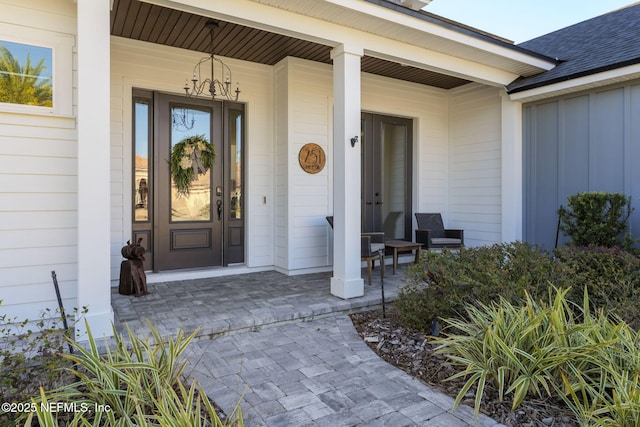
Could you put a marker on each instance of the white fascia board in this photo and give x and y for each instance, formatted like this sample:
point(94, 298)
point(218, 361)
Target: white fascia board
point(437, 30)
point(441, 63)
point(605, 78)
point(413, 4)
point(281, 21)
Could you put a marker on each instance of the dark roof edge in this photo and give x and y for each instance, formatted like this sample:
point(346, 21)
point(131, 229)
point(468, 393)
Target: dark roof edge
point(460, 28)
point(585, 73)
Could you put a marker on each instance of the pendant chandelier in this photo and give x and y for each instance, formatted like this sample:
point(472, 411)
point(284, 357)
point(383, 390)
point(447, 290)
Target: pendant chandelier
point(215, 88)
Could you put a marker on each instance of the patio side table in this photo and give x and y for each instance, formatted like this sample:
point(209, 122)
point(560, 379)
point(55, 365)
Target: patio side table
point(402, 246)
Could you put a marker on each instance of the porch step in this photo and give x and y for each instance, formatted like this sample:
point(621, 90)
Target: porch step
point(229, 305)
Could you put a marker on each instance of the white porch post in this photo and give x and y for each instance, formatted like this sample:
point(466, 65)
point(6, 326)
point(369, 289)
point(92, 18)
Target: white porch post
point(94, 219)
point(511, 169)
point(346, 281)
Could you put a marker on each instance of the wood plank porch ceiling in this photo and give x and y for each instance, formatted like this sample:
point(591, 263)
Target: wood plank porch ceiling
point(156, 24)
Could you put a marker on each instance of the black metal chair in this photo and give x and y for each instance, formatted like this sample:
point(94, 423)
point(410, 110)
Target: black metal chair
point(432, 234)
point(371, 249)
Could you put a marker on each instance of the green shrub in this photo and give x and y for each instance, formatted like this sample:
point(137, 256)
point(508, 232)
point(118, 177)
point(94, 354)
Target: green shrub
point(30, 355)
point(611, 275)
point(541, 349)
point(443, 282)
point(595, 218)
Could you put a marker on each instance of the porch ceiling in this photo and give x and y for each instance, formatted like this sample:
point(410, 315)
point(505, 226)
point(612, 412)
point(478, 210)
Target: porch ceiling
point(157, 24)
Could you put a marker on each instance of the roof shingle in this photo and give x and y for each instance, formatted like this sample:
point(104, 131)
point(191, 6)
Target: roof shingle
point(599, 44)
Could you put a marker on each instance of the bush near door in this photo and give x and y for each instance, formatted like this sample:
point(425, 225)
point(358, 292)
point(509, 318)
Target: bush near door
point(444, 282)
point(596, 218)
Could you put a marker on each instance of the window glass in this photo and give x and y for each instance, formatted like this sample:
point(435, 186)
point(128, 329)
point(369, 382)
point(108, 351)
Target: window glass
point(195, 206)
point(26, 74)
point(141, 182)
point(235, 144)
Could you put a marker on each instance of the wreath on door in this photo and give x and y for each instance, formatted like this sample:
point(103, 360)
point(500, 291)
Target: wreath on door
point(192, 156)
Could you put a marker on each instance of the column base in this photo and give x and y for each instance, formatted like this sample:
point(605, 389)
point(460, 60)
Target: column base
point(101, 325)
point(347, 288)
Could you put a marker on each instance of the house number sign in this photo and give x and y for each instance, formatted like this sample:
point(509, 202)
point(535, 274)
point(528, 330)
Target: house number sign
point(312, 158)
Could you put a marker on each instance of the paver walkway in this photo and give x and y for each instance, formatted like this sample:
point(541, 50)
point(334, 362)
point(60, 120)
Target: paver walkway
point(287, 346)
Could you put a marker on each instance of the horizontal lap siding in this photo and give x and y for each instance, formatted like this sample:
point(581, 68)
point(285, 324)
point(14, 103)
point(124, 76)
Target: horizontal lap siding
point(475, 147)
point(307, 195)
point(38, 187)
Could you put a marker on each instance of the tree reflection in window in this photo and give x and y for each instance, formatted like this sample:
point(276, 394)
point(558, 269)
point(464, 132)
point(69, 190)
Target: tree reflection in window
point(26, 75)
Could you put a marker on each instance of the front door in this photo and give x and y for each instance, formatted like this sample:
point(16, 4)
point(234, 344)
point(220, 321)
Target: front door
point(386, 175)
point(189, 225)
point(201, 227)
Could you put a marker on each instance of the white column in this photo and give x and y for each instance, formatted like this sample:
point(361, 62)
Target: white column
point(511, 169)
point(94, 219)
point(346, 281)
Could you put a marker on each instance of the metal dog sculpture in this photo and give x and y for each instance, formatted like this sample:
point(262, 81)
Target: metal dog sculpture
point(133, 280)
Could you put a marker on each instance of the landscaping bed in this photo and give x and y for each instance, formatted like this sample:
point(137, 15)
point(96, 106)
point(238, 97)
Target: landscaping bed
point(527, 337)
point(409, 349)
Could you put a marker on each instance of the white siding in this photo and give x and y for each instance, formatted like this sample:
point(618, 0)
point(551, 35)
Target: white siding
point(304, 111)
point(38, 171)
point(475, 147)
point(136, 64)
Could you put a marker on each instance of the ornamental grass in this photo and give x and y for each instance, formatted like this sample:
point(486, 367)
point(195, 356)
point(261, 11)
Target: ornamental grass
point(135, 381)
point(587, 357)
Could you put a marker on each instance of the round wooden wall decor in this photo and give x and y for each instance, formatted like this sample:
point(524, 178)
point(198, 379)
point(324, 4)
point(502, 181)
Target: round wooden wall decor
point(312, 158)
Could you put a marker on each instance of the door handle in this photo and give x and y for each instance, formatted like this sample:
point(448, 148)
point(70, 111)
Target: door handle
point(219, 203)
point(368, 203)
point(379, 203)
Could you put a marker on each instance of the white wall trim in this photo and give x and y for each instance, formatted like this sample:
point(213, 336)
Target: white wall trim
point(94, 201)
point(62, 63)
point(592, 81)
point(346, 281)
point(512, 170)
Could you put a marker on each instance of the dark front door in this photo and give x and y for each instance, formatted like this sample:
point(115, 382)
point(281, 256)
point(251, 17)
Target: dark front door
point(189, 225)
point(386, 175)
point(206, 227)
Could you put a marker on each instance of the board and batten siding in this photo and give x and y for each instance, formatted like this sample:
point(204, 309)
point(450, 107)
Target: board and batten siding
point(38, 179)
point(588, 141)
point(136, 64)
point(475, 188)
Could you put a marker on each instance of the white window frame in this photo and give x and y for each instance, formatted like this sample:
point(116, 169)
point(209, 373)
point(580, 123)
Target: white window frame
point(61, 46)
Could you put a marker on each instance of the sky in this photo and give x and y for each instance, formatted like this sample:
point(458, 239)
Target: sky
point(522, 20)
